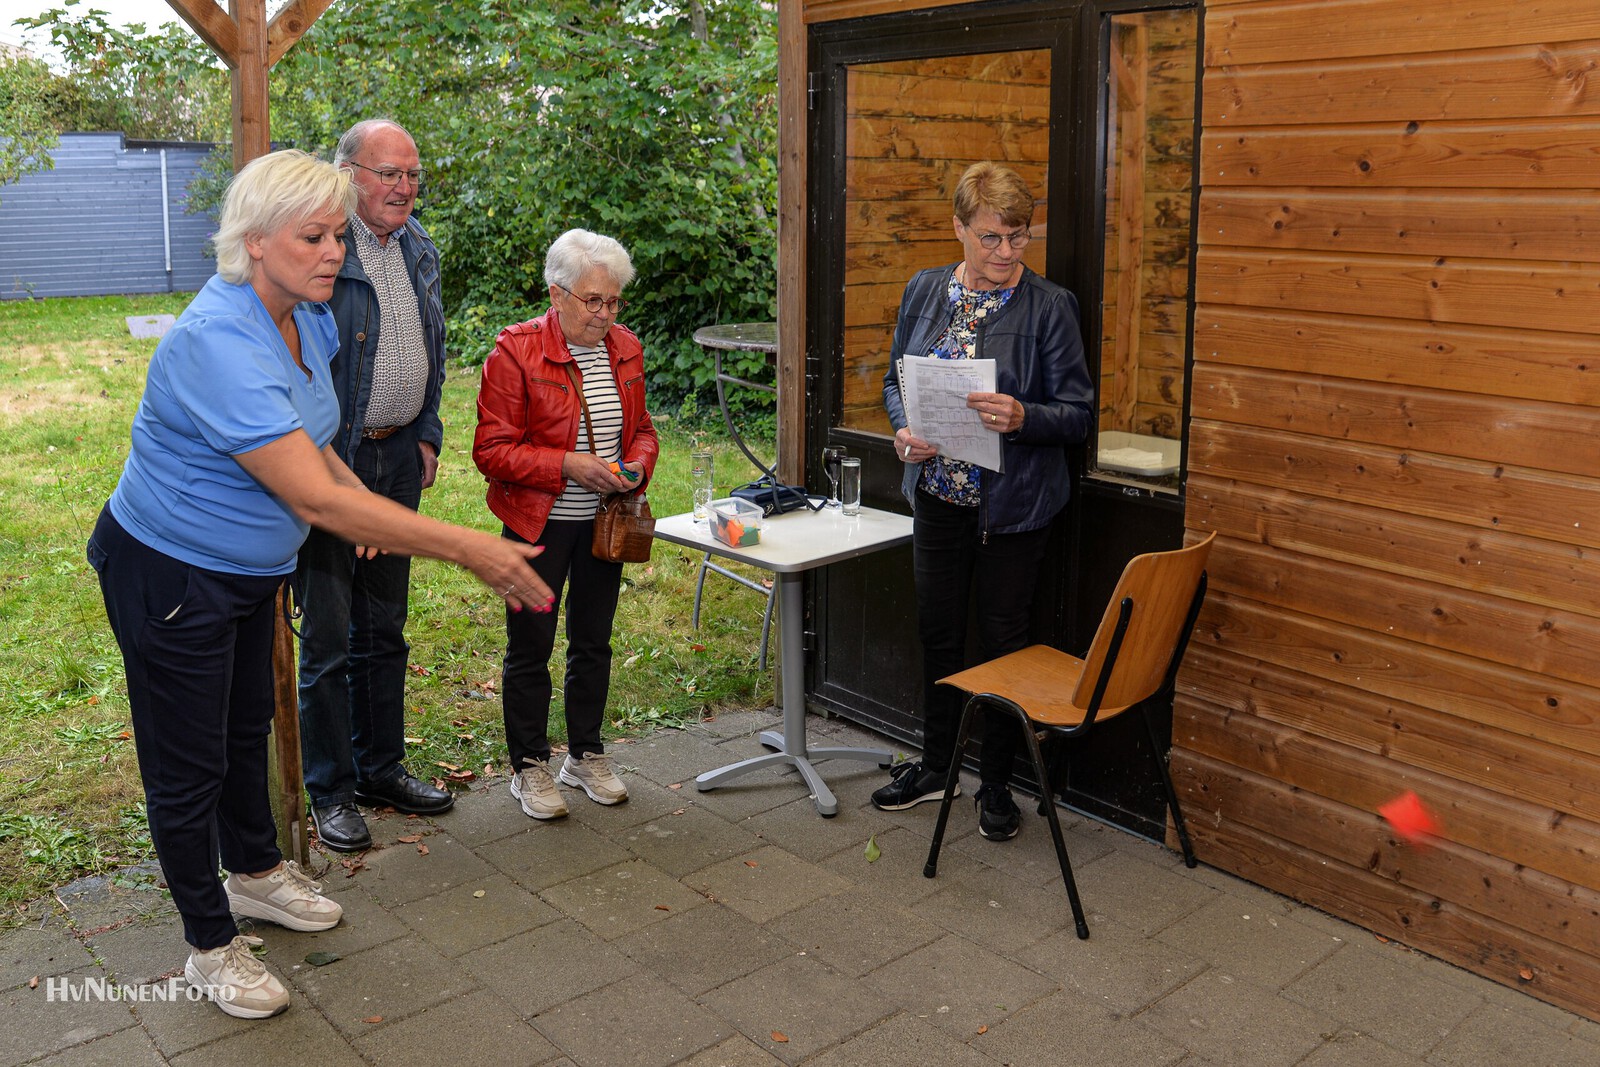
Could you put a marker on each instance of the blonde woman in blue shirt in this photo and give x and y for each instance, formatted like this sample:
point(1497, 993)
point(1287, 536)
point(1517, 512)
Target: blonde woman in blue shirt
point(229, 464)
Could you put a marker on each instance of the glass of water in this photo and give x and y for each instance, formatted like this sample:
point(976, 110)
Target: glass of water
point(700, 477)
point(850, 484)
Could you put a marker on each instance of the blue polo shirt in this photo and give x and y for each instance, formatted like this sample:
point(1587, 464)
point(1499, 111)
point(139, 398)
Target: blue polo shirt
point(221, 383)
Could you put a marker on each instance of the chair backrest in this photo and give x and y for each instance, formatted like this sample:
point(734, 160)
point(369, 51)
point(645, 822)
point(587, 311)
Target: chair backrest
point(1161, 587)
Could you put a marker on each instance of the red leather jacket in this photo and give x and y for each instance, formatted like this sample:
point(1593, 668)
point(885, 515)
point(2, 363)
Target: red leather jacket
point(529, 418)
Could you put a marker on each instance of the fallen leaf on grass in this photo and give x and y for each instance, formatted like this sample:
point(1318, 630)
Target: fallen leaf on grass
point(447, 766)
point(780, 1037)
point(413, 740)
point(417, 668)
point(409, 839)
point(461, 776)
point(321, 959)
point(697, 647)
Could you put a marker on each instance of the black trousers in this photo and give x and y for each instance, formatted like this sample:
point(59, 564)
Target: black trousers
point(955, 572)
point(590, 595)
point(197, 649)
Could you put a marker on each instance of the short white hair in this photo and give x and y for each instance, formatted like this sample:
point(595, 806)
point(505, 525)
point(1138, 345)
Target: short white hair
point(272, 191)
point(576, 252)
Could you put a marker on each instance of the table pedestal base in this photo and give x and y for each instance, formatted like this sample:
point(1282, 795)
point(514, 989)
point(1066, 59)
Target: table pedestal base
point(827, 806)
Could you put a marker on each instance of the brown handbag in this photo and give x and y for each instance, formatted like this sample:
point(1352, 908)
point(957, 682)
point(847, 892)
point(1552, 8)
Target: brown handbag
point(623, 525)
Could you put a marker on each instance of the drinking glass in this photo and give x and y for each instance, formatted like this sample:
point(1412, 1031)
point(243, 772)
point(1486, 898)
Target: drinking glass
point(850, 484)
point(700, 478)
point(832, 455)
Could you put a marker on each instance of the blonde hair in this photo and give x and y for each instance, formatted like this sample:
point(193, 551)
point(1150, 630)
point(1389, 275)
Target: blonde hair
point(997, 187)
point(273, 191)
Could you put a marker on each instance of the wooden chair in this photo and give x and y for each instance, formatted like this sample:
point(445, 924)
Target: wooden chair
point(1133, 660)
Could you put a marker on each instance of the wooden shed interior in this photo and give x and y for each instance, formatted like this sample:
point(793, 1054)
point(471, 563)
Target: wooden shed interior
point(1356, 287)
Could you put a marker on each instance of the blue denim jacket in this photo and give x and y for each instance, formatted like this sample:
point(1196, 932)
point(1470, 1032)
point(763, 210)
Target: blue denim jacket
point(1037, 346)
point(355, 310)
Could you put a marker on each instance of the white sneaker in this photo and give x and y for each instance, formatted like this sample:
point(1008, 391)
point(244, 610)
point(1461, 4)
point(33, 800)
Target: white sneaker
point(593, 774)
point(287, 897)
point(536, 791)
point(236, 981)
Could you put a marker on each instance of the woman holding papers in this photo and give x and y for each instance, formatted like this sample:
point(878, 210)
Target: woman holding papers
point(976, 529)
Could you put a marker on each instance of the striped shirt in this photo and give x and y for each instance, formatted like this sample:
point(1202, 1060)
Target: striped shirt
point(605, 407)
point(400, 366)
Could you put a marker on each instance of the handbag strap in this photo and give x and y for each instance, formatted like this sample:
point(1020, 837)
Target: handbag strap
point(588, 421)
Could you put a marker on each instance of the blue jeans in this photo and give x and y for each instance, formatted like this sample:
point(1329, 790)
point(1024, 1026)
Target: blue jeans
point(956, 571)
point(197, 650)
point(353, 650)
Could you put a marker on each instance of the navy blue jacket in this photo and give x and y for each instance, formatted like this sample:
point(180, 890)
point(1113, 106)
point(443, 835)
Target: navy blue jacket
point(355, 310)
point(1037, 347)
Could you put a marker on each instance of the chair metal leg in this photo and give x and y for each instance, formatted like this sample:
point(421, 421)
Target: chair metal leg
point(1165, 773)
point(1034, 754)
point(952, 777)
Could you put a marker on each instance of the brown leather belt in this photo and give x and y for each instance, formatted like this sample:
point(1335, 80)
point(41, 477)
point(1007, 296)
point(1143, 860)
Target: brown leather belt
point(377, 433)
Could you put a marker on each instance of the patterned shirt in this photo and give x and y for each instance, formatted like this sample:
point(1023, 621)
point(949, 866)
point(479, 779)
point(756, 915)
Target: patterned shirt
point(400, 366)
point(605, 408)
point(951, 480)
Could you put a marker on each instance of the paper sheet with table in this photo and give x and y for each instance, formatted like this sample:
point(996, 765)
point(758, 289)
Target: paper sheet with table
point(934, 392)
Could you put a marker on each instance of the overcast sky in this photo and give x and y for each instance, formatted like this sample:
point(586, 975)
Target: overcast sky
point(150, 12)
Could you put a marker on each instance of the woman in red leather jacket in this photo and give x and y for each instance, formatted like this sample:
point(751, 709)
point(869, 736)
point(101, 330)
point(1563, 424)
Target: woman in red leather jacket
point(547, 466)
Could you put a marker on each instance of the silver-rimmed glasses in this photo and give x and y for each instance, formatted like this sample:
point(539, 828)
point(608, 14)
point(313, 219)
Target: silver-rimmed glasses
point(390, 176)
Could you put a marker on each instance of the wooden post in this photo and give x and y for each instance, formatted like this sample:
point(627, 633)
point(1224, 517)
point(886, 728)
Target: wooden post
point(250, 46)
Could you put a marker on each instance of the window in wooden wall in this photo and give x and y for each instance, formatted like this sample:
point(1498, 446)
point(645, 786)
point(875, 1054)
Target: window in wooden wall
point(911, 128)
point(1149, 153)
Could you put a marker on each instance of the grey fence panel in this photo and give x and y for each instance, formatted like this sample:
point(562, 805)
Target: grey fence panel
point(93, 225)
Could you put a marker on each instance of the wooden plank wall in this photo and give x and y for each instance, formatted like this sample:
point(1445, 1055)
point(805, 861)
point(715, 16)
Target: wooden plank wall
point(912, 128)
point(1396, 432)
point(1150, 160)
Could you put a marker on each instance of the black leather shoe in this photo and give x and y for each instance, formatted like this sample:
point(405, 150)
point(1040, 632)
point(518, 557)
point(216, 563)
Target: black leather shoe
point(341, 828)
point(407, 795)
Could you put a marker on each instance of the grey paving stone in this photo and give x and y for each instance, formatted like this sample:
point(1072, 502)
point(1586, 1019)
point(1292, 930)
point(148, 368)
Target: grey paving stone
point(1238, 1022)
point(1350, 1049)
point(855, 931)
point(1379, 995)
point(1116, 967)
point(1145, 896)
point(486, 813)
point(705, 948)
point(549, 853)
point(365, 924)
point(126, 1048)
point(534, 971)
point(1493, 1034)
point(960, 986)
point(181, 1025)
point(737, 1051)
point(766, 883)
point(143, 950)
point(680, 844)
point(811, 1004)
point(670, 756)
point(677, 1027)
point(477, 1029)
point(646, 800)
point(402, 872)
point(1066, 1028)
point(751, 794)
point(299, 1035)
point(730, 722)
point(35, 1025)
point(475, 914)
point(619, 900)
point(1232, 934)
point(896, 875)
point(1031, 856)
point(106, 899)
point(988, 908)
point(31, 952)
point(903, 1039)
point(796, 827)
point(392, 981)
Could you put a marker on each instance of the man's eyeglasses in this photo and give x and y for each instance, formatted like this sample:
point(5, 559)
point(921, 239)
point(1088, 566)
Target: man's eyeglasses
point(391, 176)
point(1018, 240)
point(594, 303)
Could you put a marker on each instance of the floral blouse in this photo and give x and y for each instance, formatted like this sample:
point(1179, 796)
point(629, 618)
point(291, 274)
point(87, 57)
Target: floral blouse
point(951, 480)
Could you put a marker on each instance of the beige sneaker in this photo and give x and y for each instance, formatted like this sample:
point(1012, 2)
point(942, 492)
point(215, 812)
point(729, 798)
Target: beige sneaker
point(236, 981)
point(536, 791)
point(287, 897)
point(594, 775)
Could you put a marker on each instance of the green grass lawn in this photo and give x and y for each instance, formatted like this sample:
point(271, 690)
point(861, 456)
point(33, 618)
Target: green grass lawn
point(70, 799)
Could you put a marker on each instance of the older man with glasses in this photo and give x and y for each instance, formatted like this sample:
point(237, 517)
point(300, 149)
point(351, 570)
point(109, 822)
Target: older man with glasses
point(388, 373)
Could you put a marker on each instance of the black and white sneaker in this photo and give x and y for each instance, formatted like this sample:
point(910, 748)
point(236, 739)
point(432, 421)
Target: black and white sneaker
point(998, 817)
point(911, 786)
